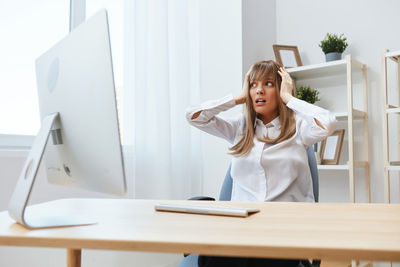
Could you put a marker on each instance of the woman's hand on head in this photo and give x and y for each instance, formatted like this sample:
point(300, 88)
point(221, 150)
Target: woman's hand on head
point(287, 85)
point(241, 98)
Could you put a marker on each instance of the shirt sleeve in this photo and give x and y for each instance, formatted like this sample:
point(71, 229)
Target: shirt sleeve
point(210, 122)
point(309, 131)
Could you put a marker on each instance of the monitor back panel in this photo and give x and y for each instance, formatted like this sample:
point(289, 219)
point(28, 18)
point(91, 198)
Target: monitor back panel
point(75, 78)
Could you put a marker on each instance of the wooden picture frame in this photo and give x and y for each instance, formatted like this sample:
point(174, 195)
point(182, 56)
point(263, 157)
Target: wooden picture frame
point(287, 55)
point(331, 147)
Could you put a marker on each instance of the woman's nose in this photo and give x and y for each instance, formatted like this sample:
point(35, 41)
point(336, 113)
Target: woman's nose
point(259, 90)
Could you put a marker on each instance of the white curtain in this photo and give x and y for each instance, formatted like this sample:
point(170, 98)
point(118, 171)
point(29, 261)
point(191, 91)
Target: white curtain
point(162, 78)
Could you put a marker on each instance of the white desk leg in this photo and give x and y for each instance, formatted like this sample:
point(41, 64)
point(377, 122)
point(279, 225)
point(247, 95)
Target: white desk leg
point(74, 257)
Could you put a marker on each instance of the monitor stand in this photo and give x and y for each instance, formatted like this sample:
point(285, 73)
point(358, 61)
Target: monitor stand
point(23, 189)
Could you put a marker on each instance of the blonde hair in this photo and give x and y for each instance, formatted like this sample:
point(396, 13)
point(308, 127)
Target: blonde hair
point(261, 71)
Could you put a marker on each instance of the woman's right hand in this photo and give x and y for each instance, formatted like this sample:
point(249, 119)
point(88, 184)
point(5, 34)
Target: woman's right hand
point(241, 98)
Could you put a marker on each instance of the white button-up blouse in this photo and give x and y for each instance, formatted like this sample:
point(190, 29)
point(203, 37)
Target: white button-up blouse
point(278, 172)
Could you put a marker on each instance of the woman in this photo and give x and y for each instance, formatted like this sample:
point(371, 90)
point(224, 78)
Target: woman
point(270, 139)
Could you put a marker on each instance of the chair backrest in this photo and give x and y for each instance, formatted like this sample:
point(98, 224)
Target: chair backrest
point(226, 189)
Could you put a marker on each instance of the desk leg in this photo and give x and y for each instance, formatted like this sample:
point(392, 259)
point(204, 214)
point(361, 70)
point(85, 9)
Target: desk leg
point(74, 257)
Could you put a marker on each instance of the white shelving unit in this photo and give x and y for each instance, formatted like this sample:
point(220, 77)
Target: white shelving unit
point(386, 110)
point(344, 67)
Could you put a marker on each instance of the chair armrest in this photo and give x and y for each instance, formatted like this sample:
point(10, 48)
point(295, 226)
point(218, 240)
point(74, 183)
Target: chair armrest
point(202, 198)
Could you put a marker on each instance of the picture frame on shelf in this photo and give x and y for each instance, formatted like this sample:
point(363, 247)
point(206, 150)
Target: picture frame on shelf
point(331, 147)
point(287, 55)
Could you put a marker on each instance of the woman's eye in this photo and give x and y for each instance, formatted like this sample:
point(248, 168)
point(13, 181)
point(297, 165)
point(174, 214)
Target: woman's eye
point(253, 85)
point(268, 84)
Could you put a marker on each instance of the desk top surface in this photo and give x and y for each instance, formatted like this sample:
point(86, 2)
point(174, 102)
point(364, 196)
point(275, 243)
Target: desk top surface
point(287, 230)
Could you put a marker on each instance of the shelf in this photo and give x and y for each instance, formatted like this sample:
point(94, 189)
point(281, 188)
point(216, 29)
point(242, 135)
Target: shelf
point(322, 69)
point(388, 109)
point(393, 110)
point(357, 114)
point(393, 55)
point(343, 166)
point(333, 167)
point(344, 68)
point(393, 168)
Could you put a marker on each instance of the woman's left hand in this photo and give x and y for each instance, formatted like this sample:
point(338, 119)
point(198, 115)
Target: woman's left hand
point(287, 85)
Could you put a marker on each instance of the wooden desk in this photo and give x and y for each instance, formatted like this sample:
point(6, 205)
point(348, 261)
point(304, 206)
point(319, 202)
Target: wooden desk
point(281, 230)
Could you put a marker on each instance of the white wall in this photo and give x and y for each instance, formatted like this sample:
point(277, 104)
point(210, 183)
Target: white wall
point(370, 28)
point(258, 31)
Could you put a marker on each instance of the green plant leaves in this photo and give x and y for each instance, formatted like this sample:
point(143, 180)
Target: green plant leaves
point(307, 94)
point(333, 43)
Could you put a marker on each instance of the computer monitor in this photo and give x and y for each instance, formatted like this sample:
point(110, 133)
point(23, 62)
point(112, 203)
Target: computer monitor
point(79, 130)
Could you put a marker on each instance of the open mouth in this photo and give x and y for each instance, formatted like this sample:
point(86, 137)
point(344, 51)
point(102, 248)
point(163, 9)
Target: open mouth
point(260, 102)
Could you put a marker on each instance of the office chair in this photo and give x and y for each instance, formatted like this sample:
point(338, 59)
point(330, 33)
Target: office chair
point(225, 195)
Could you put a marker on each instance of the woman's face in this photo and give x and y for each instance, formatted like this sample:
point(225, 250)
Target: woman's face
point(264, 99)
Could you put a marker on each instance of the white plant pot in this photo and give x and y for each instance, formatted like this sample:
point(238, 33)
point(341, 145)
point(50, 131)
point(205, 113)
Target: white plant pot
point(333, 56)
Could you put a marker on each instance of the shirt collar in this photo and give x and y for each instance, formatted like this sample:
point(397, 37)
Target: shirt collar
point(274, 123)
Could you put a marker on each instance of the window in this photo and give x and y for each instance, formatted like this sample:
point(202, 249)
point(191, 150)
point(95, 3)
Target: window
point(28, 29)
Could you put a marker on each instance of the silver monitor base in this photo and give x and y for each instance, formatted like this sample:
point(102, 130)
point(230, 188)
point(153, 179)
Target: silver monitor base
point(55, 221)
point(23, 189)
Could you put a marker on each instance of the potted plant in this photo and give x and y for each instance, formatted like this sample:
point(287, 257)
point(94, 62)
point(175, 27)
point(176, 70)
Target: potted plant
point(333, 46)
point(309, 95)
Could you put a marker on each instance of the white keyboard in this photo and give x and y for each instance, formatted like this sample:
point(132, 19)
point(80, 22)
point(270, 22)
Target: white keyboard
point(209, 210)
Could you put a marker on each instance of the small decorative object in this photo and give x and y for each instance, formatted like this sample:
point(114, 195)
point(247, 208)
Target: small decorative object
point(307, 94)
point(333, 46)
point(331, 148)
point(287, 55)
